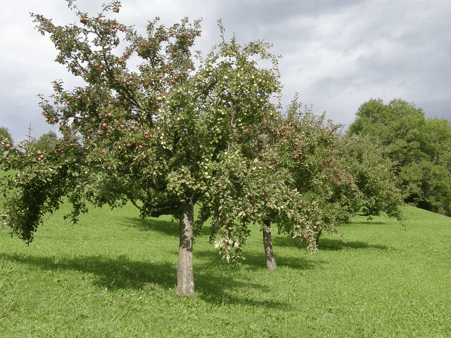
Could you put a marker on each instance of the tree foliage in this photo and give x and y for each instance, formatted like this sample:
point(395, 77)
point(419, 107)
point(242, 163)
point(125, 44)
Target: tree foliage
point(46, 142)
point(159, 136)
point(5, 136)
point(420, 149)
point(302, 178)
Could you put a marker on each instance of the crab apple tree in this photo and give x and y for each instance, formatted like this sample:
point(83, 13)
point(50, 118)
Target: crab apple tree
point(155, 135)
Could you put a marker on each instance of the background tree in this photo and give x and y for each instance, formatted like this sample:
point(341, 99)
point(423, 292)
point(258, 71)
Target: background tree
point(300, 171)
point(372, 173)
point(281, 179)
point(420, 149)
point(343, 175)
point(5, 135)
point(46, 142)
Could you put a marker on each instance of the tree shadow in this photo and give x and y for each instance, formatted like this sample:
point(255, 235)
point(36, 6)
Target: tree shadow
point(338, 244)
point(212, 284)
point(254, 261)
point(153, 224)
point(162, 226)
point(366, 222)
point(330, 244)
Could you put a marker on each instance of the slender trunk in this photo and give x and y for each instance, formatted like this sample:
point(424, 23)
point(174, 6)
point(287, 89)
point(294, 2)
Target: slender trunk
point(185, 275)
point(318, 236)
point(267, 242)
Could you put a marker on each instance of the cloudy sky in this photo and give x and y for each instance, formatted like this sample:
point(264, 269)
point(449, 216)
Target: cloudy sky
point(336, 54)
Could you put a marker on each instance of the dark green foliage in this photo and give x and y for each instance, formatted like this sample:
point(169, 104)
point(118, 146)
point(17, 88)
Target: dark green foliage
point(372, 172)
point(46, 141)
point(420, 149)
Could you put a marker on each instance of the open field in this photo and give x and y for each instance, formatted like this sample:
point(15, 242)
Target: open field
point(114, 275)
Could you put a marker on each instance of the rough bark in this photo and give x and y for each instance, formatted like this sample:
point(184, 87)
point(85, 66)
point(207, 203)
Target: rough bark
point(185, 275)
point(267, 242)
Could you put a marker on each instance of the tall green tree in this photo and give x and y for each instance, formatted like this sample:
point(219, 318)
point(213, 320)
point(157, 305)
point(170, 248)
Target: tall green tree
point(419, 147)
point(46, 142)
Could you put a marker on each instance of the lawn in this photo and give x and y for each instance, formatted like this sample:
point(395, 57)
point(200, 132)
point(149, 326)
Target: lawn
point(114, 275)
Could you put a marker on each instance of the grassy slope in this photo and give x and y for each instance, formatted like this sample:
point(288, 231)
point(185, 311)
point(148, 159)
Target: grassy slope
point(114, 275)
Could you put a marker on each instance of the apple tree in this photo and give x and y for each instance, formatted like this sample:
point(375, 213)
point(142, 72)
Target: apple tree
point(286, 178)
point(158, 136)
point(303, 177)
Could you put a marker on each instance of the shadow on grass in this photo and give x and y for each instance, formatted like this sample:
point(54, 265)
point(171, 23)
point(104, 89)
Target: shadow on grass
point(330, 244)
point(338, 244)
point(256, 261)
point(153, 224)
point(357, 222)
point(164, 227)
point(215, 284)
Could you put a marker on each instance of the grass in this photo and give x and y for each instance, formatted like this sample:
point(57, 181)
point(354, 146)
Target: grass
point(114, 275)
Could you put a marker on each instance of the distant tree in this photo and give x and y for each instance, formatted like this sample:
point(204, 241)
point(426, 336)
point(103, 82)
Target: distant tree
point(420, 149)
point(346, 176)
point(372, 172)
point(46, 142)
point(437, 142)
point(5, 135)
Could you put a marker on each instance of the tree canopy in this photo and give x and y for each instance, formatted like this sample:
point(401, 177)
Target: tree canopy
point(46, 142)
point(419, 147)
point(159, 136)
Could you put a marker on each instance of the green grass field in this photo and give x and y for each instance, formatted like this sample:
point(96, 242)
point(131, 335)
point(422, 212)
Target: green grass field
point(114, 275)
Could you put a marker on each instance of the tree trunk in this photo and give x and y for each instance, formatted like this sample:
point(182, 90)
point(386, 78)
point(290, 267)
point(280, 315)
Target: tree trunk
point(267, 242)
point(185, 275)
point(318, 236)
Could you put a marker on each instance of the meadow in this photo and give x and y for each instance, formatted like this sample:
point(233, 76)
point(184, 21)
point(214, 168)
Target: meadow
point(114, 275)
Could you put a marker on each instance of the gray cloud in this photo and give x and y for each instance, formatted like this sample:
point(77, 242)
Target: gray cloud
point(336, 54)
